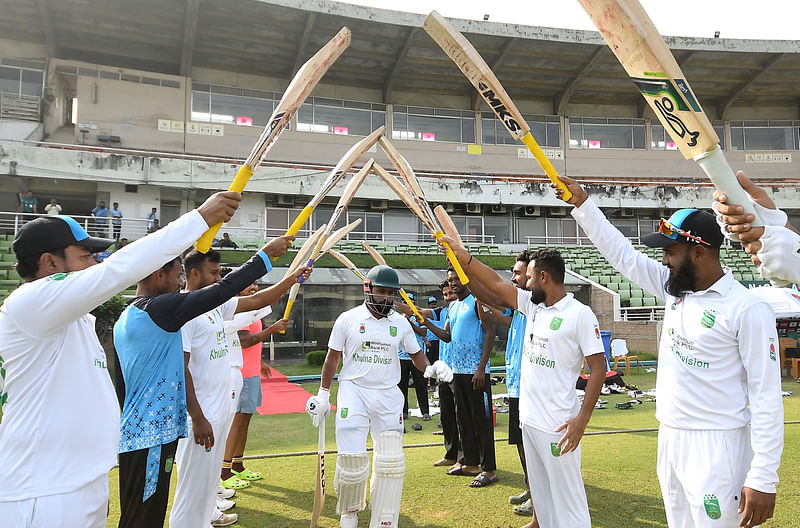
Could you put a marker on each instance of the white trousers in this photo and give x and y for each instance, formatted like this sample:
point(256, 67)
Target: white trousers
point(86, 507)
point(360, 410)
point(556, 483)
point(701, 475)
point(198, 477)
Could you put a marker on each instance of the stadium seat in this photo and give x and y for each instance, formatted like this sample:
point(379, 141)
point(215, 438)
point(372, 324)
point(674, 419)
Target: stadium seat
point(636, 302)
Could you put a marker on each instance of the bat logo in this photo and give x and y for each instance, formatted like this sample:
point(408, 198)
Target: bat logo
point(322, 471)
point(499, 108)
point(667, 99)
point(666, 106)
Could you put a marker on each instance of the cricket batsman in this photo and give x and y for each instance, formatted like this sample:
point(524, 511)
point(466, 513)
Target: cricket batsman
point(366, 339)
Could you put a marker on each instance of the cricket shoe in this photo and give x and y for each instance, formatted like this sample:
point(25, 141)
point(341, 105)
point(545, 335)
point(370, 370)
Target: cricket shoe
point(225, 493)
point(224, 505)
point(226, 519)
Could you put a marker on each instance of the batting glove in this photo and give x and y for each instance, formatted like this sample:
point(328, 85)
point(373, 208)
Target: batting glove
point(318, 407)
point(440, 371)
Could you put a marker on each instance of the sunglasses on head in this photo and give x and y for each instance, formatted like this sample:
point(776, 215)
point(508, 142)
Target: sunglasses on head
point(665, 228)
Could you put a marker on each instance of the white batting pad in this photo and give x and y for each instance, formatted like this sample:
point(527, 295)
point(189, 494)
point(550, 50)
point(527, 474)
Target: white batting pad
point(350, 482)
point(388, 473)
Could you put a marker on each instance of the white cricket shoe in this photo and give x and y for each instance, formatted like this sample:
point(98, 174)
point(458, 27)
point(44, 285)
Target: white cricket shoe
point(224, 504)
point(349, 520)
point(225, 493)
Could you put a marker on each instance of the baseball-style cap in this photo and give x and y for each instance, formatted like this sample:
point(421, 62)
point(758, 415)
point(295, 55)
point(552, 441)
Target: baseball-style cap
point(431, 299)
point(690, 226)
point(50, 233)
point(410, 296)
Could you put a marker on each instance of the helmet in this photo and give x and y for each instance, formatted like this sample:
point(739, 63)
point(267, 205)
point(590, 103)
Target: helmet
point(384, 277)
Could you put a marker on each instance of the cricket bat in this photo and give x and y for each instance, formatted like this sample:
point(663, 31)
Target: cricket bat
point(332, 240)
point(336, 174)
point(319, 490)
point(344, 200)
point(347, 263)
point(378, 258)
point(472, 65)
point(447, 223)
point(634, 39)
point(298, 90)
point(302, 255)
point(413, 187)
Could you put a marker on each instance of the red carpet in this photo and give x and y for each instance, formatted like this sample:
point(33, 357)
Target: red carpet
point(278, 396)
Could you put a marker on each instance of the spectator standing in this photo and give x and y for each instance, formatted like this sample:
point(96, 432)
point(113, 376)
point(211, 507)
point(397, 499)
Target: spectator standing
point(100, 214)
point(52, 208)
point(116, 220)
point(28, 204)
point(152, 220)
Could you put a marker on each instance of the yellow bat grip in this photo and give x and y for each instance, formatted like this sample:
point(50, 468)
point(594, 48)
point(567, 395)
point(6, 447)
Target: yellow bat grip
point(203, 243)
point(410, 303)
point(453, 260)
point(289, 304)
point(537, 152)
point(299, 221)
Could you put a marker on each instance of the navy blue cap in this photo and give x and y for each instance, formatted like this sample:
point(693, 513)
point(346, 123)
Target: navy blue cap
point(690, 226)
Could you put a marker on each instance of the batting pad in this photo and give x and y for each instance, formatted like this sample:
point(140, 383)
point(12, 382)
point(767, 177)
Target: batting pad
point(350, 482)
point(388, 473)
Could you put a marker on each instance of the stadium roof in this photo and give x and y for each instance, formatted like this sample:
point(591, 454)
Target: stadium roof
point(390, 52)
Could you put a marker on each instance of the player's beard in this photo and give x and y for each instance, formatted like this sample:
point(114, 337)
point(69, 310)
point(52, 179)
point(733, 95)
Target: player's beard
point(681, 279)
point(380, 308)
point(537, 296)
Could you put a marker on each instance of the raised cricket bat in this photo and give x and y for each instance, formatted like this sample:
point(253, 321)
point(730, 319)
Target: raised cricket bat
point(447, 223)
point(319, 490)
point(472, 65)
point(332, 240)
point(344, 200)
point(401, 193)
point(302, 255)
point(298, 90)
point(413, 186)
point(336, 174)
point(347, 263)
point(378, 258)
point(634, 39)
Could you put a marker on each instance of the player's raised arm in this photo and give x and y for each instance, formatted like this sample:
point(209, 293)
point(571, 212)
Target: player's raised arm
point(505, 294)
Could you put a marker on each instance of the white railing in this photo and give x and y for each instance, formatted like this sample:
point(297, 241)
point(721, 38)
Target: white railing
point(132, 228)
point(642, 313)
point(546, 240)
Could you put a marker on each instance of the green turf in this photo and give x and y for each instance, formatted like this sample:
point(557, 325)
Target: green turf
point(618, 470)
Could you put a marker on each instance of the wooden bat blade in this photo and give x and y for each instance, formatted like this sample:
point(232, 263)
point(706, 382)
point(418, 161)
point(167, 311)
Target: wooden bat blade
point(403, 168)
point(342, 166)
point(374, 253)
point(646, 58)
point(472, 65)
point(307, 77)
point(347, 263)
point(401, 193)
point(319, 489)
point(340, 234)
point(306, 249)
point(349, 192)
point(447, 223)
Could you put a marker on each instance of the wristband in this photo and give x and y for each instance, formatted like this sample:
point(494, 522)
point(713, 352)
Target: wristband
point(271, 330)
point(470, 259)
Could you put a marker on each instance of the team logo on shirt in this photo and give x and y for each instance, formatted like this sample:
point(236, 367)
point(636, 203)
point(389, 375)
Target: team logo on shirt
point(168, 465)
point(3, 395)
point(58, 276)
point(555, 324)
point(709, 318)
point(676, 303)
point(597, 331)
point(362, 329)
point(772, 349)
point(343, 414)
point(711, 504)
point(210, 319)
point(393, 331)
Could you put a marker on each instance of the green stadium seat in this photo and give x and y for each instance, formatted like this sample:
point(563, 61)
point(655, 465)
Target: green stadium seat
point(649, 301)
point(8, 284)
point(636, 303)
point(636, 293)
point(737, 276)
point(624, 296)
point(593, 278)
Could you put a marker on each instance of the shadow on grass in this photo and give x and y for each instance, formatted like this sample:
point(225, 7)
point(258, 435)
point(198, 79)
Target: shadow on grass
point(618, 509)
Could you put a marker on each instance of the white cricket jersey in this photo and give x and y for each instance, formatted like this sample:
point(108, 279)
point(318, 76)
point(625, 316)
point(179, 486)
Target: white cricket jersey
point(717, 361)
point(61, 416)
point(556, 340)
point(369, 346)
point(241, 321)
point(204, 339)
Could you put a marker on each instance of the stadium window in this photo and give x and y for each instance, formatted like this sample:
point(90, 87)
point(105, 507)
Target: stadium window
point(765, 135)
point(227, 105)
point(606, 133)
point(279, 219)
point(470, 228)
point(433, 124)
point(21, 81)
point(336, 116)
point(546, 129)
point(370, 228)
point(660, 140)
point(498, 227)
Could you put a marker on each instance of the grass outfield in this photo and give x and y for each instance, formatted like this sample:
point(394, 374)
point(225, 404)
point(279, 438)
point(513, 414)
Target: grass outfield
point(618, 470)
